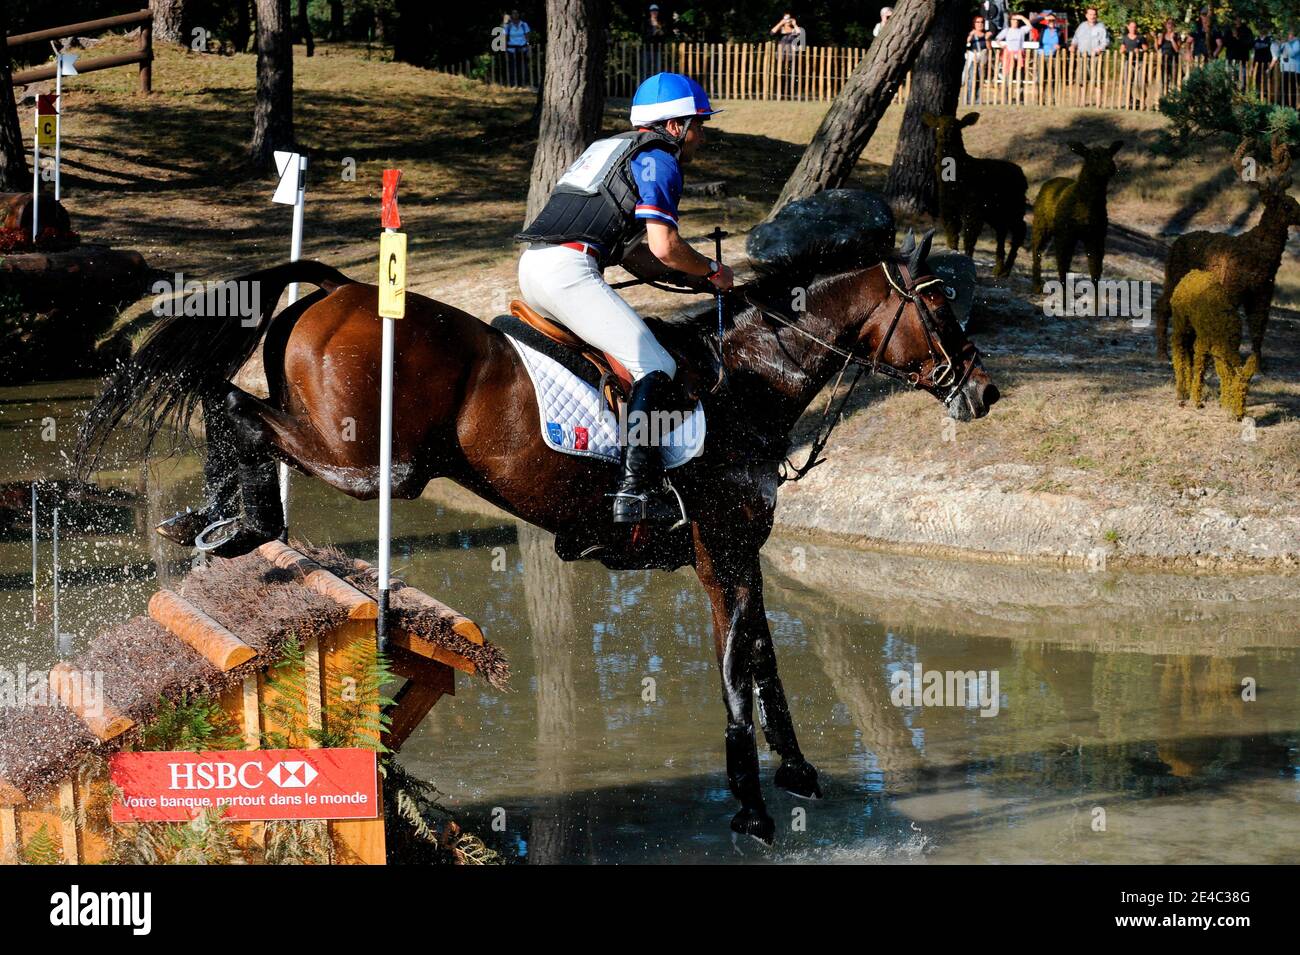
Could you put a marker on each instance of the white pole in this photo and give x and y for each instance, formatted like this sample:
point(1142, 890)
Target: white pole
point(36, 180)
point(58, 122)
point(33, 553)
point(295, 252)
point(385, 474)
point(56, 577)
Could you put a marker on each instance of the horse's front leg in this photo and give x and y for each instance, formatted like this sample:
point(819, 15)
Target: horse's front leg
point(796, 775)
point(735, 593)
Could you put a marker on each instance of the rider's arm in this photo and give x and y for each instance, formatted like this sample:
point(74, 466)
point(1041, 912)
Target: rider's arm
point(670, 249)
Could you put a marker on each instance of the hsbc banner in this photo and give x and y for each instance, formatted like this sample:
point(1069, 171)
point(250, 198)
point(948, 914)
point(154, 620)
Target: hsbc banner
point(257, 784)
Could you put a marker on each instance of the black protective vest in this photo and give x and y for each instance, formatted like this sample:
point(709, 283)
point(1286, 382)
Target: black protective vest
point(605, 213)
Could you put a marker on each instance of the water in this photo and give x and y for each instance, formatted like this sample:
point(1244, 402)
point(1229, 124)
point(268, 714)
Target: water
point(1121, 733)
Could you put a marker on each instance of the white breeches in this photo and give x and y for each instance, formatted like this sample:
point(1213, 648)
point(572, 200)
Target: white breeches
point(566, 285)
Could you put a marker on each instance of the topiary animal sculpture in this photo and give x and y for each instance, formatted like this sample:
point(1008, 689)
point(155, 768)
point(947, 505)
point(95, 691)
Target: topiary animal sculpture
point(1068, 211)
point(1206, 325)
point(974, 191)
point(1246, 265)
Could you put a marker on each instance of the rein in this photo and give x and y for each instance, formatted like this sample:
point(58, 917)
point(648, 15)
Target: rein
point(941, 374)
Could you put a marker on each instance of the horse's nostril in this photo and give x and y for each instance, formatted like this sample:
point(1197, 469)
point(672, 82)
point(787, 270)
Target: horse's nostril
point(990, 395)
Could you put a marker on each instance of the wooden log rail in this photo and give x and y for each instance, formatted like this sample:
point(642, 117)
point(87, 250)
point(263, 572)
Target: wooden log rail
point(143, 56)
point(255, 703)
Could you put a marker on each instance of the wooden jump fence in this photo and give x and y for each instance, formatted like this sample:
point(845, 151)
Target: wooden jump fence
point(204, 634)
point(143, 56)
point(766, 71)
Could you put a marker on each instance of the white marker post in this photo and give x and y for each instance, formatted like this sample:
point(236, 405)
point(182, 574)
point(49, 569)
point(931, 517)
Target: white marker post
point(292, 190)
point(392, 306)
point(55, 534)
point(33, 553)
point(64, 67)
point(46, 123)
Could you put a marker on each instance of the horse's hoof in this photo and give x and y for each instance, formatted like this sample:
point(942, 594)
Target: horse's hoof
point(756, 824)
point(230, 538)
point(182, 529)
point(798, 779)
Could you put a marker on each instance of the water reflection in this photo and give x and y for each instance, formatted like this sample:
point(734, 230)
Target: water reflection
point(1120, 693)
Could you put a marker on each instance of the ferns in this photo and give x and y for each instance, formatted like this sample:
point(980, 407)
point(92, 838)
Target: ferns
point(41, 849)
point(197, 724)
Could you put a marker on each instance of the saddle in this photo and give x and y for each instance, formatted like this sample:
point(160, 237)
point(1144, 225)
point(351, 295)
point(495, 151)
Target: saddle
point(615, 380)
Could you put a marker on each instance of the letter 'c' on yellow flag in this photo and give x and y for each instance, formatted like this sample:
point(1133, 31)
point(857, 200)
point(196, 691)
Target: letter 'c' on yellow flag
point(392, 274)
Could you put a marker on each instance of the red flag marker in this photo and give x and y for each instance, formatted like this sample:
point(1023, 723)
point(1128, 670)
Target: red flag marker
point(391, 218)
point(47, 104)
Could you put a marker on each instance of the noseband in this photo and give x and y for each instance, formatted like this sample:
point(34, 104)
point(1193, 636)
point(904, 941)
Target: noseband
point(940, 376)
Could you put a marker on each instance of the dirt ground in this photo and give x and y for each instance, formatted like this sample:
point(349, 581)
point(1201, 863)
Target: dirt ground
point(1087, 411)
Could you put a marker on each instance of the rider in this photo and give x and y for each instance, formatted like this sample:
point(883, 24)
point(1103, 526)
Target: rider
point(620, 190)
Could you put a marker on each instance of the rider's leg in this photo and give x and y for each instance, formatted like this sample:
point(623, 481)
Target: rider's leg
point(567, 285)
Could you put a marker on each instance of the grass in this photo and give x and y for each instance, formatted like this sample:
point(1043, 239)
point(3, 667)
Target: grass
point(1087, 407)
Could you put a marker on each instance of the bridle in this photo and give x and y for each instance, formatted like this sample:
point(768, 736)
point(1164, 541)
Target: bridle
point(942, 374)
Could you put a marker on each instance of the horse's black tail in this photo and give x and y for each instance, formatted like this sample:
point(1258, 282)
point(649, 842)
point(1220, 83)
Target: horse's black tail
point(184, 359)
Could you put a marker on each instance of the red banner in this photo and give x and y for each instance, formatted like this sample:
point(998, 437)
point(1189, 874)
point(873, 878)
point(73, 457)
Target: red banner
point(390, 218)
point(258, 784)
point(47, 104)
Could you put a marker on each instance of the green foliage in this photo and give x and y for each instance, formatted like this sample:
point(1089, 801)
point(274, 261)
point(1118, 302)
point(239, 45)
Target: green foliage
point(299, 842)
point(206, 840)
point(1209, 104)
point(41, 849)
point(190, 724)
point(427, 835)
point(348, 720)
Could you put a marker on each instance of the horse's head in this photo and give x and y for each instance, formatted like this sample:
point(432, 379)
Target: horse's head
point(910, 334)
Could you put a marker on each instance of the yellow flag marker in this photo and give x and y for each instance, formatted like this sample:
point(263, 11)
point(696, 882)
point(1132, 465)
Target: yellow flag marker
point(45, 126)
point(392, 274)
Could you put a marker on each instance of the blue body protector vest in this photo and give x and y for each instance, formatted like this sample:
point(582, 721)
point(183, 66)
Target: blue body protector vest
point(595, 200)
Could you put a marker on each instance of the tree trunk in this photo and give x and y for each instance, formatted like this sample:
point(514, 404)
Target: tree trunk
point(304, 28)
point(14, 174)
point(169, 21)
point(338, 24)
point(273, 110)
point(848, 125)
point(936, 84)
point(573, 92)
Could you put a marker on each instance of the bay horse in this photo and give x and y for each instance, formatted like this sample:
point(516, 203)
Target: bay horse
point(465, 409)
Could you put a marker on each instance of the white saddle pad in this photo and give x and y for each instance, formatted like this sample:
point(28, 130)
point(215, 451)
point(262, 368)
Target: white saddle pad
point(575, 419)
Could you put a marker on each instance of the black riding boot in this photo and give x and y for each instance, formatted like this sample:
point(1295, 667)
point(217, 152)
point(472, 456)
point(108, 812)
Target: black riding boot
point(642, 494)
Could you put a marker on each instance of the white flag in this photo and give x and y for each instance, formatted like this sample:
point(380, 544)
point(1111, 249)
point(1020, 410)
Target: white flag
point(286, 164)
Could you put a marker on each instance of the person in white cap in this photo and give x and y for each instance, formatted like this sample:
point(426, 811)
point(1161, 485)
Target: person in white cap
point(620, 190)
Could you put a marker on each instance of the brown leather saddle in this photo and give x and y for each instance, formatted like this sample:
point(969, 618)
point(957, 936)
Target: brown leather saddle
point(615, 380)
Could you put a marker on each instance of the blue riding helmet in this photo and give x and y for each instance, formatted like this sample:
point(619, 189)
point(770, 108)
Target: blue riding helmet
point(666, 96)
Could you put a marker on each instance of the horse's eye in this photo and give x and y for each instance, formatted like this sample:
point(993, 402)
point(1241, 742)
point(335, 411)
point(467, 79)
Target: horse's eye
point(950, 293)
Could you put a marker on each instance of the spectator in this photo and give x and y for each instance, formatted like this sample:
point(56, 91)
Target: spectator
point(1186, 50)
point(1261, 63)
point(654, 36)
point(885, 14)
point(1287, 53)
point(1168, 45)
point(995, 14)
point(1207, 41)
point(1134, 45)
point(1091, 40)
point(516, 30)
point(977, 54)
point(1049, 35)
point(1014, 36)
point(1239, 43)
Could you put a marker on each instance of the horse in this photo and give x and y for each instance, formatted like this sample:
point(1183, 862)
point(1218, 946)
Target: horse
point(464, 408)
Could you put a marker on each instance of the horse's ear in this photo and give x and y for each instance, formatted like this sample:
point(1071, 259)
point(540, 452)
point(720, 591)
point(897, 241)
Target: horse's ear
point(1116, 146)
point(909, 245)
point(920, 252)
point(970, 119)
point(1078, 148)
